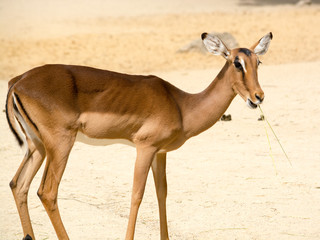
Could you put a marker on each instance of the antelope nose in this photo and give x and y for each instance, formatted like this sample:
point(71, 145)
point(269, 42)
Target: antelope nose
point(259, 97)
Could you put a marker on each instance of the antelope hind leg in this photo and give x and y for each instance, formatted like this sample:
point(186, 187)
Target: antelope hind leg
point(20, 186)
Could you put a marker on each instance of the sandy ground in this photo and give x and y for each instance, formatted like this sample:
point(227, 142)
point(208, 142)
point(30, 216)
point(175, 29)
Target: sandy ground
point(222, 184)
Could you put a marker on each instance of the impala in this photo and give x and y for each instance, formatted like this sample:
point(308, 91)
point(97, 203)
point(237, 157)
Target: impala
point(50, 107)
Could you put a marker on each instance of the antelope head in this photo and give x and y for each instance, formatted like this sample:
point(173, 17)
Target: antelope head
point(243, 65)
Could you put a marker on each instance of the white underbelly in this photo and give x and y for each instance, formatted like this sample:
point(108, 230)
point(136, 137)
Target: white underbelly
point(102, 142)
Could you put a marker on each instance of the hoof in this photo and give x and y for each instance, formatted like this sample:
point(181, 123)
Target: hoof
point(27, 237)
point(261, 118)
point(226, 117)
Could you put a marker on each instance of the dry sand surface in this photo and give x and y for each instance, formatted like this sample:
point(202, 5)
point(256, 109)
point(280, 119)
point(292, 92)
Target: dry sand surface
point(221, 184)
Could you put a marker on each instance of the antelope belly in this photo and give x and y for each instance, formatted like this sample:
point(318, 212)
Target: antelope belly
point(101, 142)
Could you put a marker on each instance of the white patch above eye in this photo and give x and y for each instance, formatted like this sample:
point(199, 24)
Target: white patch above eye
point(243, 64)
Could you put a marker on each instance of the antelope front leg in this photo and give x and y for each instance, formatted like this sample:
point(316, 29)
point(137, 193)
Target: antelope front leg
point(144, 159)
point(160, 180)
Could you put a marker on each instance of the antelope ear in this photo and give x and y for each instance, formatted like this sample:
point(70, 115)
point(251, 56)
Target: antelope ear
point(261, 47)
point(215, 45)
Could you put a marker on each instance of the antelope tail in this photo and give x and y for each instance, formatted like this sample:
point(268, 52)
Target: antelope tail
point(10, 108)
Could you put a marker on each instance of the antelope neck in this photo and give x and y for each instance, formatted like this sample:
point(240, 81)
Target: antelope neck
point(204, 109)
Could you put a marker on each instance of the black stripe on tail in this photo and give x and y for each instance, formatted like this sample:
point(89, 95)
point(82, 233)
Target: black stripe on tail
point(20, 141)
point(24, 110)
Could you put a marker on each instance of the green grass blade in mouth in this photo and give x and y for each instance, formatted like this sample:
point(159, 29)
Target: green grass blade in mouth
point(265, 118)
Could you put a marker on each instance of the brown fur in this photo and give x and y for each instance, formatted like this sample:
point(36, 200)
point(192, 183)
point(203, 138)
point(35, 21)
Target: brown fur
point(58, 101)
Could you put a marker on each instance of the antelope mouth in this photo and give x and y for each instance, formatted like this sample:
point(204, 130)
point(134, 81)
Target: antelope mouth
point(251, 104)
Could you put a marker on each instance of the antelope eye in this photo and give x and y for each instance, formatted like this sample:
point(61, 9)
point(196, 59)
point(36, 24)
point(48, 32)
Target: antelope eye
point(238, 65)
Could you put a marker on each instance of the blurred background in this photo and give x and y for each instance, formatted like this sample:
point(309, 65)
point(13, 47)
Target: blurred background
point(145, 36)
